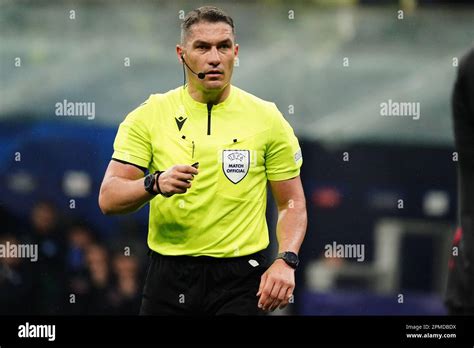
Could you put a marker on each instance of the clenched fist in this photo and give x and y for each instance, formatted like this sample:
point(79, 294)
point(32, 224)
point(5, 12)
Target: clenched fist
point(176, 179)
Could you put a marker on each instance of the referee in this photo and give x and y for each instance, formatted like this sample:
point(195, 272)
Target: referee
point(210, 148)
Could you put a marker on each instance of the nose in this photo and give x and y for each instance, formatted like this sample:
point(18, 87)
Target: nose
point(214, 58)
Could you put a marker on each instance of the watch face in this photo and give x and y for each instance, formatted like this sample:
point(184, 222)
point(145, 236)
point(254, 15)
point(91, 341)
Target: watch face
point(292, 258)
point(147, 181)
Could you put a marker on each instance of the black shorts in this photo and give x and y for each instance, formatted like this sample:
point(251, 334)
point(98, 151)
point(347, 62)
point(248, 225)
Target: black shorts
point(202, 285)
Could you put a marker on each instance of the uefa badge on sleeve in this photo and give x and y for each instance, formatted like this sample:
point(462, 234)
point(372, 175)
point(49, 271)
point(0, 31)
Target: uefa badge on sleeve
point(235, 164)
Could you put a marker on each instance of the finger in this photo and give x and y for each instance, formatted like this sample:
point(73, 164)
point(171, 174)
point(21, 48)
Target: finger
point(178, 191)
point(184, 168)
point(265, 297)
point(263, 279)
point(267, 308)
point(288, 295)
point(274, 305)
point(183, 185)
point(273, 295)
point(284, 303)
point(178, 187)
point(281, 297)
point(183, 176)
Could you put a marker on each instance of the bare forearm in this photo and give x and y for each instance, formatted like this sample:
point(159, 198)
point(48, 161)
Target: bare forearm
point(291, 226)
point(121, 196)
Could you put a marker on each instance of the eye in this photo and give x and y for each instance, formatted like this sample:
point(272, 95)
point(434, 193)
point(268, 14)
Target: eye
point(224, 46)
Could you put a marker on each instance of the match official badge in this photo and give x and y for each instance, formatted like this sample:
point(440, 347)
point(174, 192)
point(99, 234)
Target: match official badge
point(235, 164)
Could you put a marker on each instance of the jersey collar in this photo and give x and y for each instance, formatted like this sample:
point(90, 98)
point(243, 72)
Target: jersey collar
point(190, 102)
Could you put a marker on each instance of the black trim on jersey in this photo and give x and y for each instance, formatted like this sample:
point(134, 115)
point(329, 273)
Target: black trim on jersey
point(124, 162)
point(209, 108)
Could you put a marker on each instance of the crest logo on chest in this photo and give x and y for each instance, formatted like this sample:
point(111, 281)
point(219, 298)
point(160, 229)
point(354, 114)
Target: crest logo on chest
point(235, 164)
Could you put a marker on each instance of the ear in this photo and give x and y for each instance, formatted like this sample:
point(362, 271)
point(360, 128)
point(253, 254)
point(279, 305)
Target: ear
point(180, 53)
point(236, 50)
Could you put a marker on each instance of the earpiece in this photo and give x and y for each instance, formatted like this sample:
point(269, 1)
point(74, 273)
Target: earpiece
point(200, 75)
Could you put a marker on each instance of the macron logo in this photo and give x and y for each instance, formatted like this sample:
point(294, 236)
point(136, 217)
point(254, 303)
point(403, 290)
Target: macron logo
point(37, 331)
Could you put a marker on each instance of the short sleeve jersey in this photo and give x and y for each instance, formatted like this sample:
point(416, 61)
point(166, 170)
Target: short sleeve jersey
point(240, 144)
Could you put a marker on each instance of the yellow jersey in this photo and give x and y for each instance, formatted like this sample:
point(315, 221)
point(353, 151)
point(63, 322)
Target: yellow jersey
point(240, 144)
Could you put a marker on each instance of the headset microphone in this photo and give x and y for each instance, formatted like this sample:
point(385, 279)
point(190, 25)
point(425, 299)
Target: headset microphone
point(200, 75)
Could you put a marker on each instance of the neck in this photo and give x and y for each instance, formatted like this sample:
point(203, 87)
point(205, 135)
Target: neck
point(209, 96)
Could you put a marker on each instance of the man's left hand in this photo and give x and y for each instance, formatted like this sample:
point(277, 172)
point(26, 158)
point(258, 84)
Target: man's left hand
point(276, 286)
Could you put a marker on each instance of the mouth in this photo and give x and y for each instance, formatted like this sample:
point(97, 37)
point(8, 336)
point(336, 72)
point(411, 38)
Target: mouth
point(214, 73)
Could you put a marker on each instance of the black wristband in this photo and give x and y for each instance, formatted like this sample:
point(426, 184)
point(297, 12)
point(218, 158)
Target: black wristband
point(157, 175)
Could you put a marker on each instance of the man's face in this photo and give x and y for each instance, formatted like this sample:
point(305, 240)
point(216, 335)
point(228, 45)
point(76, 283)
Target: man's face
point(210, 48)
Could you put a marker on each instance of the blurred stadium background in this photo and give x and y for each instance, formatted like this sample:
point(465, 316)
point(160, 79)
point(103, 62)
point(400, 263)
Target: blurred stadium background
point(292, 53)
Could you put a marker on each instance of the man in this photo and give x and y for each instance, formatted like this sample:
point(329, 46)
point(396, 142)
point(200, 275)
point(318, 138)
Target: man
point(207, 227)
point(460, 292)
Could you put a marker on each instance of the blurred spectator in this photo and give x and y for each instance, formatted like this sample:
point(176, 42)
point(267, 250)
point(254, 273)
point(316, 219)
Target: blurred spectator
point(49, 271)
point(97, 258)
point(126, 296)
point(15, 282)
point(80, 238)
point(73, 273)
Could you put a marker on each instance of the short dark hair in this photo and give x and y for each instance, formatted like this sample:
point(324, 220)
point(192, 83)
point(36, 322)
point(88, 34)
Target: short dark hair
point(209, 14)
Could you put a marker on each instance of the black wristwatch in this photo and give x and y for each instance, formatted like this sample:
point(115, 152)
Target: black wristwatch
point(290, 258)
point(149, 183)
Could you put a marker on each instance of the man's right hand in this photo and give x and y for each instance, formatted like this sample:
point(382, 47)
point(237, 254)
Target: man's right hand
point(176, 179)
